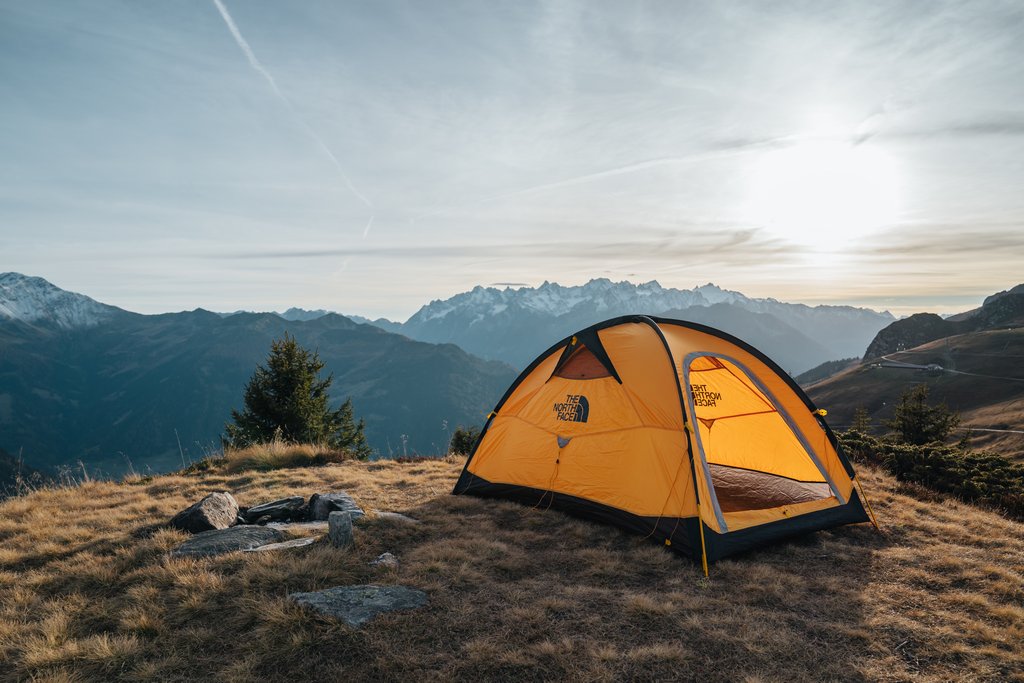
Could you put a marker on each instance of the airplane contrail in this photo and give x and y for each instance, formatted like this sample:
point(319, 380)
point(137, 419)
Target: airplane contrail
point(243, 44)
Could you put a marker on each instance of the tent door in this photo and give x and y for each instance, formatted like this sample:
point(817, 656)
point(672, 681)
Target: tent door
point(751, 453)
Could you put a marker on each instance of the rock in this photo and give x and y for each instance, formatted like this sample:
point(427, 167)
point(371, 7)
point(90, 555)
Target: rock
point(321, 505)
point(385, 560)
point(299, 526)
point(215, 511)
point(219, 541)
point(283, 509)
point(284, 545)
point(355, 605)
point(395, 517)
point(339, 529)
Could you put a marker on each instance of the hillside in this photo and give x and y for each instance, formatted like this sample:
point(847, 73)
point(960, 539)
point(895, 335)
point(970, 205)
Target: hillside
point(1003, 309)
point(125, 393)
point(514, 593)
point(981, 376)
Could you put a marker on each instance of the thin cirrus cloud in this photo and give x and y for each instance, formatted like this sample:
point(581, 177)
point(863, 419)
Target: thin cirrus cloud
point(374, 156)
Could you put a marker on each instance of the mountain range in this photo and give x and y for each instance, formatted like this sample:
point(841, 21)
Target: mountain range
point(515, 325)
point(82, 381)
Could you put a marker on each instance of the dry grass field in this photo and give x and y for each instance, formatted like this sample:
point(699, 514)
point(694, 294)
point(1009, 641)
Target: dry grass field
point(88, 592)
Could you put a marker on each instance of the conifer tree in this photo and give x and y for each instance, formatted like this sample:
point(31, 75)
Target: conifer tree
point(286, 398)
point(918, 423)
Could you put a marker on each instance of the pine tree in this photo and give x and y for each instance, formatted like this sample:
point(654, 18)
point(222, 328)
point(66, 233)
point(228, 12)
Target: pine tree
point(287, 399)
point(861, 420)
point(918, 423)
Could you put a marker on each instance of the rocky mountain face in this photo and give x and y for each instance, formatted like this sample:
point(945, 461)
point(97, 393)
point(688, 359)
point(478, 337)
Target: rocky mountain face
point(156, 390)
point(999, 310)
point(515, 325)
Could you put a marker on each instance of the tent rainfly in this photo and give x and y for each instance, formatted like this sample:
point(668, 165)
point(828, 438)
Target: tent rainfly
point(671, 429)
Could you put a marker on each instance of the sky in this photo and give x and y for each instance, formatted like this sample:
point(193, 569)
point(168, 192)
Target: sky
point(367, 157)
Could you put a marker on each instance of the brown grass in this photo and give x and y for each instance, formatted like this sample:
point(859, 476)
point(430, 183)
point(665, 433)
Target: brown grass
point(88, 593)
point(279, 454)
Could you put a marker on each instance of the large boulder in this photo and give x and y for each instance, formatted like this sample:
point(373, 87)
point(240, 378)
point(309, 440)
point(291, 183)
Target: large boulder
point(321, 505)
point(215, 511)
point(290, 508)
point(355, 605)
point(220, 541)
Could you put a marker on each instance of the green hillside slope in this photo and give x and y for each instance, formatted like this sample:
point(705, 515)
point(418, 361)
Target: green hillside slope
point(126, 393)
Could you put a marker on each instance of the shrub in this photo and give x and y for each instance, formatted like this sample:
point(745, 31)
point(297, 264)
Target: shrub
point(973, 476)
point(464, 439)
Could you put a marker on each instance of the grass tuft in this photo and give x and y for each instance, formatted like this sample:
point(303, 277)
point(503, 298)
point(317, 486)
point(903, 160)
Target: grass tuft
point(278, 454)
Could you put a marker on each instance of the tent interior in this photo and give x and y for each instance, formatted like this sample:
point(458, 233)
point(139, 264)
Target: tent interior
point(738, 423)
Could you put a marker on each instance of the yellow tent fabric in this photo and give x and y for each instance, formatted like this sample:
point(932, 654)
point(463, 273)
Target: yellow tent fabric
point(671, 429)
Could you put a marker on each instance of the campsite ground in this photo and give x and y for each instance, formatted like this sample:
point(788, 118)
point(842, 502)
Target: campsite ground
point(87, 592)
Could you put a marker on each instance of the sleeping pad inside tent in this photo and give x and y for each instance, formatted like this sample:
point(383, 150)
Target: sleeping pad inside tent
point(671, 429)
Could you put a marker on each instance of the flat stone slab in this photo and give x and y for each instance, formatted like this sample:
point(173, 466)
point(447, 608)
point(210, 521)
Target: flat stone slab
point(392, 517)
point(284, 545)
point(298, 526)
point(220, 541)
point(355, 605)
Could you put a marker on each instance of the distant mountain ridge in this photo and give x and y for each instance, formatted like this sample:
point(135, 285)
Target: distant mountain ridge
point(1000, 309)
point(116, 389)
point(514, 325)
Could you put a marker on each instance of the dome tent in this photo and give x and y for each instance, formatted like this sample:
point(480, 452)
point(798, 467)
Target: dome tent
point(670, 429)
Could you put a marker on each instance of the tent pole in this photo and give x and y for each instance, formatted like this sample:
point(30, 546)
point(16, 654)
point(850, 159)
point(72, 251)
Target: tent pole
point(703, 548)
point(866, 502)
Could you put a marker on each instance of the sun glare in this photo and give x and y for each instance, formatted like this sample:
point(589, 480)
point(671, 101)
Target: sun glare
point(823, 193)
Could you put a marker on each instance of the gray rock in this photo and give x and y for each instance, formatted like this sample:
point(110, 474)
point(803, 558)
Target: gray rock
point(339, 530)
point(355, 605)
point(215, 511)
point(219, 541)
point(321, 505)
point(385, 560)
point(299, 526)
point(284, 545)
point(283, 509)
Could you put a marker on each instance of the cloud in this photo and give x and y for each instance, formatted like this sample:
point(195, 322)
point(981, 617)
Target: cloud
point(255, 63)
point(736, 246)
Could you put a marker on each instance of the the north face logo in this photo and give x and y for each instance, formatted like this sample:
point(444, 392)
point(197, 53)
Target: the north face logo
point(575, 408)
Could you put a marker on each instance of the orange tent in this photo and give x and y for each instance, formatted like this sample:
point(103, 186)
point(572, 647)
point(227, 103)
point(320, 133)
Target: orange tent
point(671, 429)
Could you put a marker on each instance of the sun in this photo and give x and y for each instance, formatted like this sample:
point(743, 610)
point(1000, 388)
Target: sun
point(821, 193)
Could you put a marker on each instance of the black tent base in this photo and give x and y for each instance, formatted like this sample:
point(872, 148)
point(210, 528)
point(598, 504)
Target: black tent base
point(681, 533)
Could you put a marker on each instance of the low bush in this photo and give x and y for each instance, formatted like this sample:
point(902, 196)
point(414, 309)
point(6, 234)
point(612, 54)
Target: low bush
point(974, 476)
point(279, 454)
point(463, 440)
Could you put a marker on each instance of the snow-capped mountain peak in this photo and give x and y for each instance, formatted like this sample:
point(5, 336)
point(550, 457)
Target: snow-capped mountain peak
point(553, 299)
point(35, 300)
